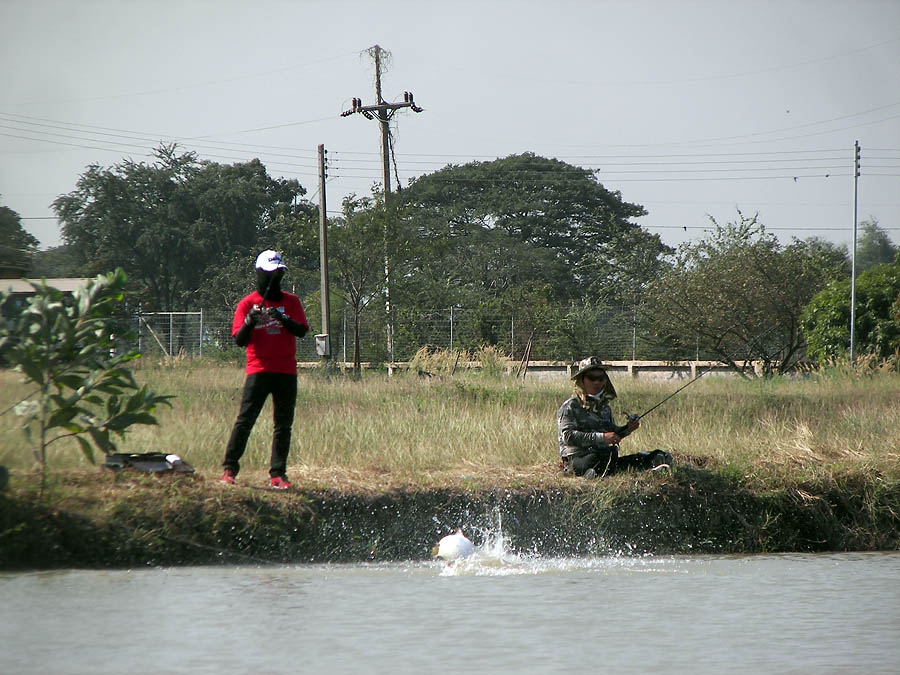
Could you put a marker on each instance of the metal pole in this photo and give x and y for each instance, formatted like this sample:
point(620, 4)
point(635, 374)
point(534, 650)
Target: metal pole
point(853, 255)
point(323, 256)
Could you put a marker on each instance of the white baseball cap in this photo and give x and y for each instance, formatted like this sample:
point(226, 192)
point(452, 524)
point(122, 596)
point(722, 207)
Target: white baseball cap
point(269, 261)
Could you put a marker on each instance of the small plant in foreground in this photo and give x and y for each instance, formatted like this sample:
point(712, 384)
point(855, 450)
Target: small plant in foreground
point(63, 346)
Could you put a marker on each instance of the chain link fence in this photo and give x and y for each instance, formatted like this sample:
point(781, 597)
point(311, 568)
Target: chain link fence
point(610, 334)
point(170, 334)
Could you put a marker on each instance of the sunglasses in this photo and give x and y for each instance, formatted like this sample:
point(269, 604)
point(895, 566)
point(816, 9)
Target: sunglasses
point(598, 377)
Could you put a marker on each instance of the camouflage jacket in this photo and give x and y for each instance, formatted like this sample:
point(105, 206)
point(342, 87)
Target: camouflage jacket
point(579, 427)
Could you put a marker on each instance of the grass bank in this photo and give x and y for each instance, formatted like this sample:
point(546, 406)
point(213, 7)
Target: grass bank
point(383, 467)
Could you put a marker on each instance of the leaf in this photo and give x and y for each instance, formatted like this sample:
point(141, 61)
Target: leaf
point(101, 439)
point(32, 371)
point(122, 422)
point(70, 381)
point(62, 417)
point(86, 449)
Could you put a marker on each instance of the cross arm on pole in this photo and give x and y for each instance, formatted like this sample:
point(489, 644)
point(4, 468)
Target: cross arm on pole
point(382, 110)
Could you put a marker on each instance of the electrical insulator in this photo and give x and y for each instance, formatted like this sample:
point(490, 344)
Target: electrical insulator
point(406, 97)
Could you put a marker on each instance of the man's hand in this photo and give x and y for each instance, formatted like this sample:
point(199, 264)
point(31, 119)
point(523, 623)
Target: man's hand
point(607, 437)
point(276, 314)
point(253, 316)
point(633, 423)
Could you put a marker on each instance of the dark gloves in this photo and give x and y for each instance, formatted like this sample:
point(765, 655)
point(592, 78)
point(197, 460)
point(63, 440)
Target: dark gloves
point(242, 338)
point(276, 314)
point(253, 315)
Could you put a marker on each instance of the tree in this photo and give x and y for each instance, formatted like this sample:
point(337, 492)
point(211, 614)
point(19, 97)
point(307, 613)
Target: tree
point(171, 223)
point(874, 247)
point(738, 294)
point(826, 320)
point(573, 332)
point(16, 245)
point(83, 390)
point(525, 221)
point(357, 256)
point(57, 261)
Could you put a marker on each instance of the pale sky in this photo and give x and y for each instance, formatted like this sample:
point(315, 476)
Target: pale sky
point(688, 107)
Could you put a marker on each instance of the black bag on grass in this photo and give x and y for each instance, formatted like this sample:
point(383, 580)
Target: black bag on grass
point(150, 462)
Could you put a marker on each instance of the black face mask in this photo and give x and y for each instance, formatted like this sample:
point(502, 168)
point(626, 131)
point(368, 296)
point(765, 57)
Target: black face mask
point(268, 284)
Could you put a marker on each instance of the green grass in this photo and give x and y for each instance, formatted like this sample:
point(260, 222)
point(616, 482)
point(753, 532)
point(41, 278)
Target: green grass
point(405, 427)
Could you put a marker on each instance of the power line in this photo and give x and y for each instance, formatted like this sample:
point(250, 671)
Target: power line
point(127, 137)
point(195, 85)
point(754, 136)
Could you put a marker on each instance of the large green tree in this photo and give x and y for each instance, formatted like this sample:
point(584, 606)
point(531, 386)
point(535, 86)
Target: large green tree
point(524, 236)
point(826, 320)
point(174, 223)
point(738, 294)
point(485, 228)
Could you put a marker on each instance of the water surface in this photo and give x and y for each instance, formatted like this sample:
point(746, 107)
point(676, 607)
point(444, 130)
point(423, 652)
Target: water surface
point(835, 613)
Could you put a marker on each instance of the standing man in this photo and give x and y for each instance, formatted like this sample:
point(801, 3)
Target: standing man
point(267, 323)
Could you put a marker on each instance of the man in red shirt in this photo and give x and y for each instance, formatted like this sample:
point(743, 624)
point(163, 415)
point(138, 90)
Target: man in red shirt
point(267, 323)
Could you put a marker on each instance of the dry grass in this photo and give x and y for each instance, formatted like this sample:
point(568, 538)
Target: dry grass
point(468, 430)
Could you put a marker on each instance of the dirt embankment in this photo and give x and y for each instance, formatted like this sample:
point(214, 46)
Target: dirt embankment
point(137, 520)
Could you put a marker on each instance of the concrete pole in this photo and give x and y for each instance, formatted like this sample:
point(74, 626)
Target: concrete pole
point(323, 256)
point(853, 254)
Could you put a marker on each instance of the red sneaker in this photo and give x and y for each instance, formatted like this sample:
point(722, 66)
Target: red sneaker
point(279, 483)
point(227, 477)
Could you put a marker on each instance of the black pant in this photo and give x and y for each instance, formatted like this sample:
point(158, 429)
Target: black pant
point(257, 388)
point(606, 461)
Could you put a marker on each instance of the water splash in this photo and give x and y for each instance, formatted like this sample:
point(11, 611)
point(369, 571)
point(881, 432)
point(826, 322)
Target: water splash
point(495, 556)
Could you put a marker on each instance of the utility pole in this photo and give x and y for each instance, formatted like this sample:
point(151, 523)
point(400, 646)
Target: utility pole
point(384, 112)
point(323, 341)
point(853, 254)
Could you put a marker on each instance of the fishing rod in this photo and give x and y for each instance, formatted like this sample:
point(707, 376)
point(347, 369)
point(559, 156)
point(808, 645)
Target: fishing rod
point(684, 386)
point(699, 375)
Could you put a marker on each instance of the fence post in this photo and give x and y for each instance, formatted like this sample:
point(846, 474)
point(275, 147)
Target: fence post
point(633, 336)
point(451, 328)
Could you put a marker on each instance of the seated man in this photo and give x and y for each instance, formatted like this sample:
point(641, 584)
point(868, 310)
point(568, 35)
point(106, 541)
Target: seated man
point(589, 437)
